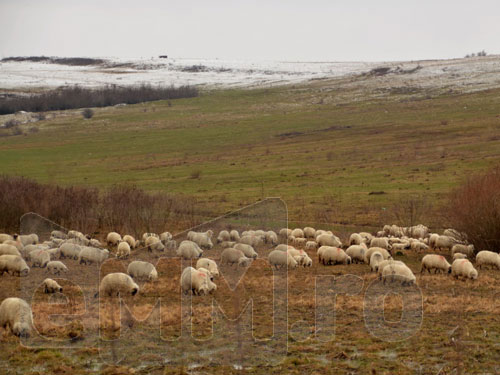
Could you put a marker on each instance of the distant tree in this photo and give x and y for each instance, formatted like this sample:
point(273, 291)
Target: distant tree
point(87, 113)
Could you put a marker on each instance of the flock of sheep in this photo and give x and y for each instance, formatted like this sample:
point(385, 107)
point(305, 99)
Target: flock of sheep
point(289, 249)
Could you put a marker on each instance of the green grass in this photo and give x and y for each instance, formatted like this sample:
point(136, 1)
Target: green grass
point(341, 150)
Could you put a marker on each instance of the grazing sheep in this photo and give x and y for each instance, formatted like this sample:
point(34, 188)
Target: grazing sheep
point(130, 240)
point(70, 250)
point(300, 242)
point(14, 265)
point(247, 250)
point(165, 237)
point(271, 238)
point(89, 255)
point(401, 246)
point(146, 235)
point(309, 232)
point(463, 268)
point(142, 270)
point(194, 281)
point(223, 236)
point(384, 263)
point(283, 247)
point(39, 258)
point(380, 242)
point(381, 250)
point(16, 314)
point(328, 240)
point(234, 256)
point(464, 249)
point(118, 283)
point(311, 245)
point(459, 256)
point(54, 253)
point(355, 239)
point(5, 237)
point(123, 251)
point(367, 237)
point(211, 285)
point(209, 264)
point(227, 244)
point(401, 272)
point(28, 239)
point(357, 253)
point(375, 259)
point(333, 255)
point(58, 234)
point(51, 286)
point(298, 233)
point(435, 262)
point(280, 259)
point(301, 257)
point(189, 250)
point(9, 250)
point(113, 238)
point(16, 243)
point(251, 240)
point(235, 236)
point(432, 240)
point(487, 258)
point(284, 234)
point(381, 233)
point(95, 243)
point(56, 267)
point(444, 243)
point(154, 244)
point(203, 239)
point(418, 246)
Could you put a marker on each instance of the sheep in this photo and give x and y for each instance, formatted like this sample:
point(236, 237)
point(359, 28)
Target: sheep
point(300, 256)
point(298, 233)
point(154, 244)
point(130, 240)
point(381, 250)
point(400, 246)
point(464, 249)
point(235, 236)
point(271, 238)
point(14, 265)
point(69, 250)
point(418, 246)
point(300, 242)
point(54, 253)
point(9, 250)
point(209, 264)
point(311, 245)
point(227, 244)
point(383, 264)
point(355, 239)
point(367, 237)
point(16, 243)
point(194, 281)
point(375, 259)
point(211, 285)
point(381, 233)
point(28, 239)
point(233, 256)
point(118, 283)
point(39, 258)
point(283, 247)
point(223, 236)
point(380, 242)
point(280, 259)
point(459, 256)
point(142, 270)
point(393, 272)
point(487, 258)
point(309, 232)
point(463, 268)
point(55, 267)
point(189, 250)
point(435, 262)
point(58, 234)
point(333, 255)
point(251, 240)
point(146, 235)
point(123, 251)
point(165, 237)
point(5, 237)
point(75, 234)
point(16, 314)
point(203, 239)
point(51, 286)
point(247, 250)
point(328, 240)
point(444, 243)
point(357, 253)
point(95, 243)
point(284, 233)
point(113, 238)
point(89, 255)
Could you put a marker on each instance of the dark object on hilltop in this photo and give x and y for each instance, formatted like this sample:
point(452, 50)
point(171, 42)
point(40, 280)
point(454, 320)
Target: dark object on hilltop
point(163, 57)
point(377, 193)
point(87, 113)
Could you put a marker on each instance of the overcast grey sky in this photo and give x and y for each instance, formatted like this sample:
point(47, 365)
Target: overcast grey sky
point(312, 30)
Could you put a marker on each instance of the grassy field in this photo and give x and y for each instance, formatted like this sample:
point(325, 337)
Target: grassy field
point(314, 145)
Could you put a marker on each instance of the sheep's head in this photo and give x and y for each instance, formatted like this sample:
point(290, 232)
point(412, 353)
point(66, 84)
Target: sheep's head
point(21, 329)
point(473, 274)
point(349, 260)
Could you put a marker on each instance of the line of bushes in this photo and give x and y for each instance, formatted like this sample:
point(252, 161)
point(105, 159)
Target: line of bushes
point(127, 209)
point(79, 97)
point(73, 61)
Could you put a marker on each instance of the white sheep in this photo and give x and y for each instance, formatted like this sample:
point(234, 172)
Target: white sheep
point(234, 256)
point(165, 237)
point(464, 249)
point(189, 250)
point(271, 238)
point(227, 244)
point(284, 233)
point(300, 242)
point(223, 236)
point(154, 244)
point(309, 232)
point(357, 253)
point(235, 236)
point(16, 242)
point(28, 239)
point(118, 283)
point(252, 240)
point(280, 259)
point(39, 258)
point(380, 242)
point(487, 258)
point(16, 314)
point(328, 240)
point(69, 250)
point(56, 267)
point(113, 238)
point(6, 249)
point(209, 264)
point(311, 245)
point(247, 250)
point(123, 251)
point(14, 265)
point(142, 270)
point(418, 246)
point(298, 233)
point(381, 250)
point(5, 237)
point(89, 255)
point(58, 234)
point(459, 256)
point(367, 237)
point(51, 286)
point(444, 243)
point(194, 281)
point(203, 239)
point(375, 259)
point(301, 257)
point(283, 247)
point(333, 255)
point(401, 246)
point(211, 285)
point(435, 262)
point(130, 240)
point(401, 272)
point(54, 253)
point(384, 263)
point(355, 239)
point(463, 268)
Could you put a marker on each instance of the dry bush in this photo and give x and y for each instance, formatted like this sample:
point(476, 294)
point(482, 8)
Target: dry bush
point(410, 210)
point(474, 208)
point(87, 113)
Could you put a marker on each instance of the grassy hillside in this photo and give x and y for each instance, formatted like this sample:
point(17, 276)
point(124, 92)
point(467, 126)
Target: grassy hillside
point(317, 146)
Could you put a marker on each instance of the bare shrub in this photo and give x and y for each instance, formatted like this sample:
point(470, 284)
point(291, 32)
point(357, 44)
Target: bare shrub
point(196, 174)
point(87, 113)
point(410, 210)
point(474, 208)
point(10, 124)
